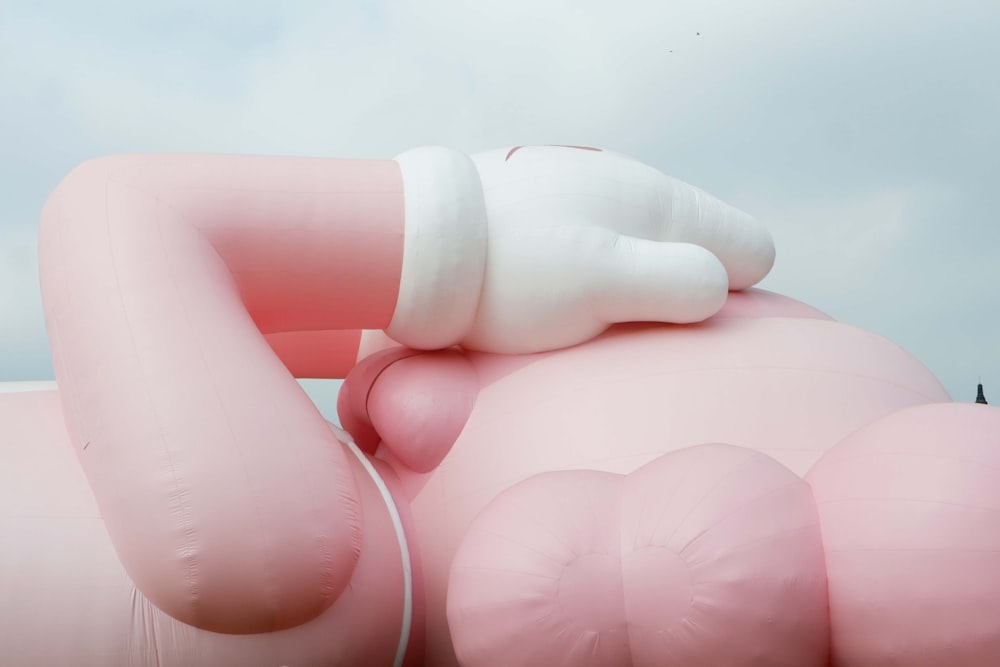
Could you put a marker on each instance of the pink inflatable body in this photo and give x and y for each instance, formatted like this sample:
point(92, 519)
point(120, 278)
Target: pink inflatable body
point(585, 440)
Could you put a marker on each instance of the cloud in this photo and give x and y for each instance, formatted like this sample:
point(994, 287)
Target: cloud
point(842, 247)
point(865, 133)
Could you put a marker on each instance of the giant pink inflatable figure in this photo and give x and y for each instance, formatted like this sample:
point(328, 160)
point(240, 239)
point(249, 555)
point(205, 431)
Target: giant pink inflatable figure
point(585, 440)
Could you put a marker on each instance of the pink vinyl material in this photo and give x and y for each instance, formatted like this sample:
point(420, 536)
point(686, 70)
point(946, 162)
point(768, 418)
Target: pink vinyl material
point(183, 293)
point(421, 405)
point(910, 509)
point(756, 302)
point(650, 569)
point(316, 354)
point(68, 600)
point(541, 494)
point(159, 274)
point(788, 387)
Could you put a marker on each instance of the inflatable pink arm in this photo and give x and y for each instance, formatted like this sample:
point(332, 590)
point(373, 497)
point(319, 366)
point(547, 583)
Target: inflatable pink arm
point(159, 275)
point(317, 354)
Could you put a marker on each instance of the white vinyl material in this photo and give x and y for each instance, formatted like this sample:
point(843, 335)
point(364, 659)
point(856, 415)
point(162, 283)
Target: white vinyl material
point(444, 251)
point(540, 247)
point(580, 238)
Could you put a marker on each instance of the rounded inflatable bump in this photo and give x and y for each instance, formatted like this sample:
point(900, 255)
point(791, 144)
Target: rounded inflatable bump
point(537, 580)
point(910, 512)
point(746, 530)
point(352, 400)
point(420, 404)
point(708, 555)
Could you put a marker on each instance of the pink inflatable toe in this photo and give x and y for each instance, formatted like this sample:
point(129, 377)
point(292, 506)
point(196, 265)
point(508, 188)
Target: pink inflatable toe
point(910, 509)
point(707, 556)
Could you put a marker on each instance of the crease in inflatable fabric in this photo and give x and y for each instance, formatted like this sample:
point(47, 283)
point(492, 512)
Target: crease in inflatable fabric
point(404, 551)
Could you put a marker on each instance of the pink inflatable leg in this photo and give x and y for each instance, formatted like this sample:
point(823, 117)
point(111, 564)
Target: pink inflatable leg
point(68, 601)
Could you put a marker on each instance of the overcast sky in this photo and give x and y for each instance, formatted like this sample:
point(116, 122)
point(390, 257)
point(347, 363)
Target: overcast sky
point(863, 132)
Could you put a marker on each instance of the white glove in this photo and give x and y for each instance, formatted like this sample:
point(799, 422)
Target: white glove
point(562, 242)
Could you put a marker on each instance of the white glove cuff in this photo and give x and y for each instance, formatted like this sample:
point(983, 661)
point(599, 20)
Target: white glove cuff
point(444, 249)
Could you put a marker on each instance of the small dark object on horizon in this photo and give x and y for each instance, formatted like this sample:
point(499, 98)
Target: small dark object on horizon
point(980, 397)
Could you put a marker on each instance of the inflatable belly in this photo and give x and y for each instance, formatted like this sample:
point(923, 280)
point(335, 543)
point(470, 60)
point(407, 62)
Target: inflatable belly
point(767, 374)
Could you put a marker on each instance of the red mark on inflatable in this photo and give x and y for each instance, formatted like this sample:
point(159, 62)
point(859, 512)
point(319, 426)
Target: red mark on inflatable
point(582, 148)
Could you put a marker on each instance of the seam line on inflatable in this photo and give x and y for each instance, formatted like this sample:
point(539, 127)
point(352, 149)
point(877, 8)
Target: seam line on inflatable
point(831, 371)
point(404, 550)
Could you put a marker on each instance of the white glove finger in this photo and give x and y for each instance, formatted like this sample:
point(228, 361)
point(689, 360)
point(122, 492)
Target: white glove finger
point(742, 243)
point(653, 281)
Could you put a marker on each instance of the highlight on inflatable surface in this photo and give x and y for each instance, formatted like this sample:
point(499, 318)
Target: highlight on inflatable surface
point(573, 432)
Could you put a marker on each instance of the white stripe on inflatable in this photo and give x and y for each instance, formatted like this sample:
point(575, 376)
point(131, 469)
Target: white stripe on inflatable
point(404, 550)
